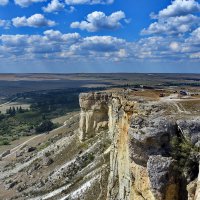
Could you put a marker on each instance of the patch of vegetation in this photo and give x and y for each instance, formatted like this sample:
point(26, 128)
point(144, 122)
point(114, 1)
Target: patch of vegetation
point(45, 126)
point(12, 111)
point(4, 141)
point(44, 106)
point(44, 145)
point(185, 153)
point(91, 157)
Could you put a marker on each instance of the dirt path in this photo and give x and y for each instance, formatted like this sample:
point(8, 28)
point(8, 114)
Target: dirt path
point(175, 101)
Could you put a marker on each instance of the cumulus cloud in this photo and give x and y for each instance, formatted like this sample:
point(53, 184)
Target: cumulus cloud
point(37, 20)
point(98, 44)
point(5, 23)
point(99, 21)
point(174, 46)
point(178, 18)
point(69, 38)
point(53, 44)
point(194, 37)
point(57, 45)
point(71, 9)
point(4, 2)
point(14, 40)
point(54, 6)
point(173, 25)
point(174, 36)
point(90, 2)
point(179, 8)
point(26, 3)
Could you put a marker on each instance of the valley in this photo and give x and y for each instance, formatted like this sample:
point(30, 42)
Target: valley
point(123, 141)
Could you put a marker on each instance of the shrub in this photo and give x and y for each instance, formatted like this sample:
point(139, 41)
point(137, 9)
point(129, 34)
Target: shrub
point(184, 152)
point(4, 142)
point(45, 126)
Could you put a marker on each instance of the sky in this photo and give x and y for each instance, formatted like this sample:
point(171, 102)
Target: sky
point(70, 36)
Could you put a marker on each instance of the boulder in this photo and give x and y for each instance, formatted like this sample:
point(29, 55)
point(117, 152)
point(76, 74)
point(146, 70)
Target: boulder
point(163, 177)
point(11, 184)
point(47, 161)
point(5, 153)
point(190, 129)
point(30, 149)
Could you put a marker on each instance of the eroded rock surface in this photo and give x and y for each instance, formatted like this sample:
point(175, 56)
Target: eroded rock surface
point(142, 133)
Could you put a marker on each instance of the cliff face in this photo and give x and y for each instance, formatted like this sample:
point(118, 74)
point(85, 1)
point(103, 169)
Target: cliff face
point(153, 149)
point(128, 146)
point(94, 114)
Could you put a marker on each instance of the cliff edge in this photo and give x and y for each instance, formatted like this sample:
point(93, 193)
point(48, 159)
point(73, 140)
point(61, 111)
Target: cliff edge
point(154, 145)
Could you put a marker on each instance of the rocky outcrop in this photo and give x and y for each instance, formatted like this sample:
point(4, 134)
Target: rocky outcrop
point(94, 114)
point(163, 177)
point(126, 147)
point(144, 138)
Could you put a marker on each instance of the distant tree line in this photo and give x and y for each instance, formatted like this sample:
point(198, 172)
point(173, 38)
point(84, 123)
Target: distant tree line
point(12, 111)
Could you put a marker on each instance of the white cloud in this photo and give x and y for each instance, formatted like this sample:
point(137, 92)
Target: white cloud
point(14, 40)
point(4, 2)
point(53, 44)
point(53, 35)
point(26, 3)
point(194, 38)
point(179, 8)
point(57, 45)
point(177, 19)
point(37, 20)
point(99, 21)
point(54, 6)
point(195, 55)
point(71, 9)
point(173, 25)
point(99, 44)
point(90, 2)
point(5, 24)
point(174, 46)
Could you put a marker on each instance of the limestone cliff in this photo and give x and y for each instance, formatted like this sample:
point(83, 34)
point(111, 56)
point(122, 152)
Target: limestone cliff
point(154, 151)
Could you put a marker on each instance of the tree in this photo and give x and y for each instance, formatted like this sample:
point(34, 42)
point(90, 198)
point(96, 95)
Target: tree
point(20, 110)
point(45, 126)
point(13, 112)
point(43, 117)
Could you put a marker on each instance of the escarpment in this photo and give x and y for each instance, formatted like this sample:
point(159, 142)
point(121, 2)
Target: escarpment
point(154, 149)
point(124, 145)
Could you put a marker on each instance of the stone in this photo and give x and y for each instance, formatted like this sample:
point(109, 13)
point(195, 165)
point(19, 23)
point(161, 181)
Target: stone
point(33, 167)
point(19, 154)
point(190, 129)
point(21, 187)
point(5, 153)
point(11, 184)
point(47, 161)
point(30, 149)
point(163, 177)
point(94, 114)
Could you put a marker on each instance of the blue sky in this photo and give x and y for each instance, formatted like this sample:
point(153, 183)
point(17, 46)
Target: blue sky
point(99, 36)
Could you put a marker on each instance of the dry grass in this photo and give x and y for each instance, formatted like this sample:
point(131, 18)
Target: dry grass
point(191, 105)
point(150, 94)
point(15, 143)
point(4, 107)
point(62, 119)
